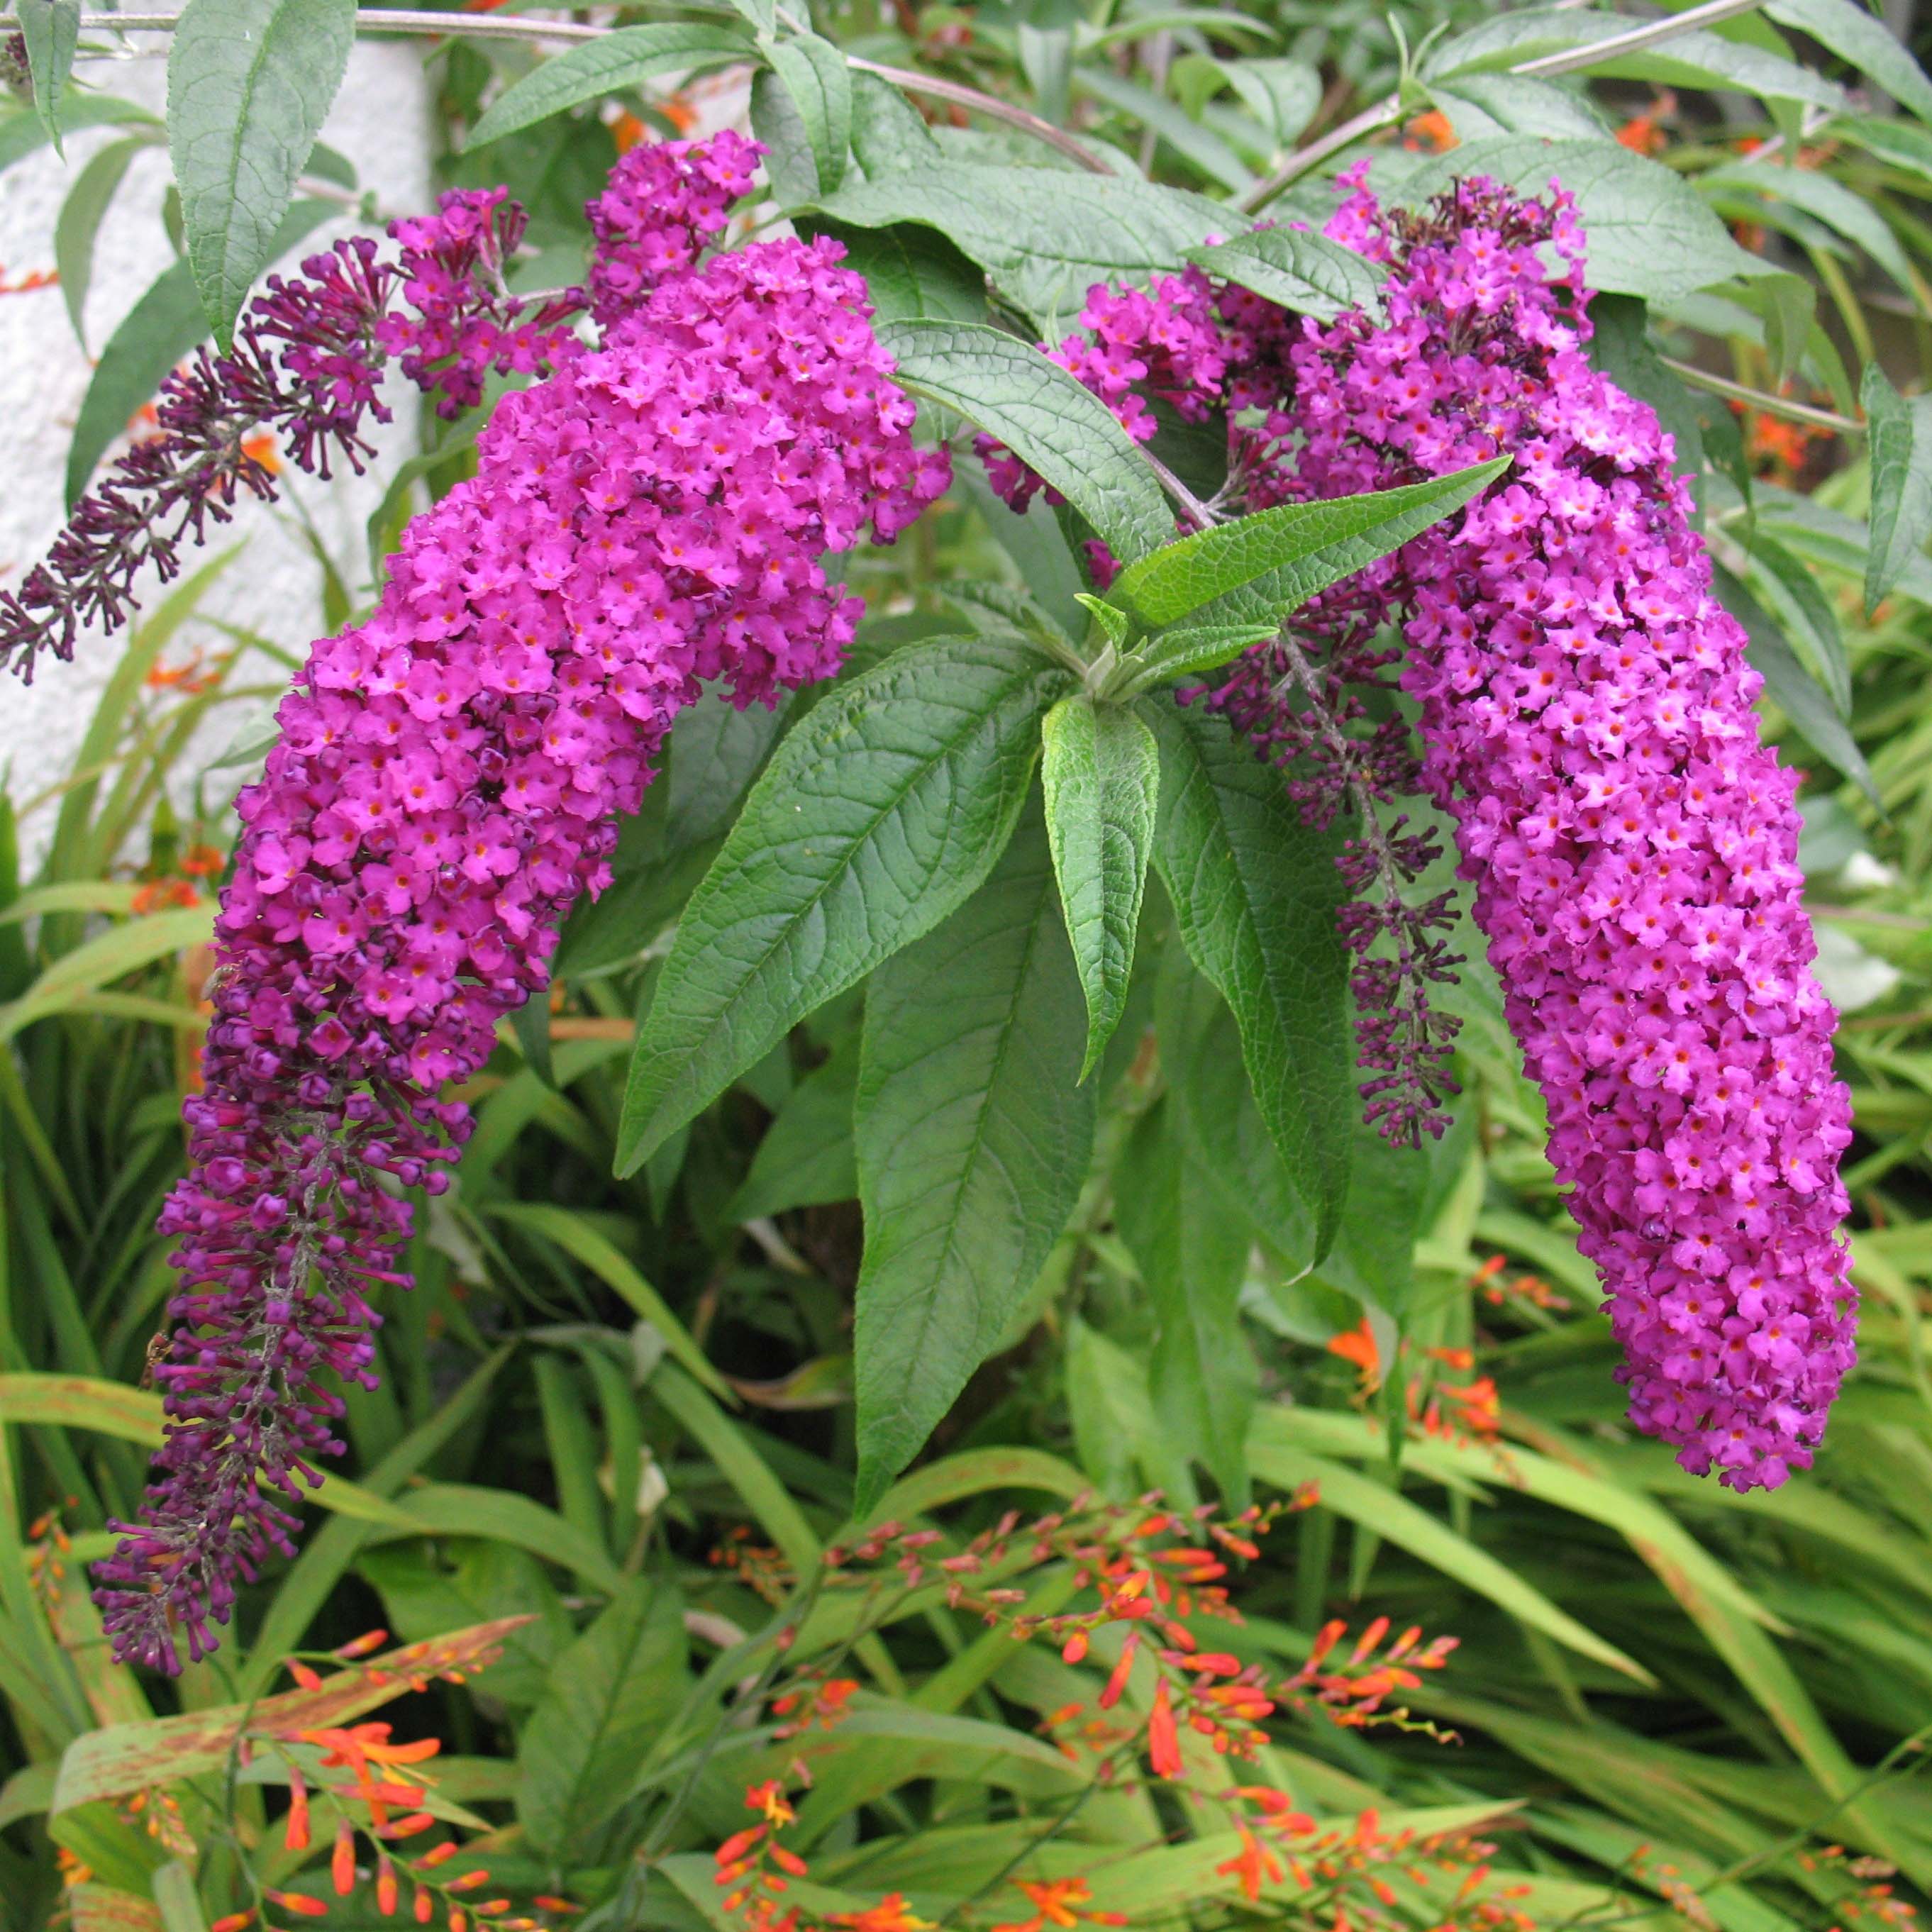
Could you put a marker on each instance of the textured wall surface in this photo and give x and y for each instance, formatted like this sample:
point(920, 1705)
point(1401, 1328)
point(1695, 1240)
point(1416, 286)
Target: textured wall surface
point(381, 122)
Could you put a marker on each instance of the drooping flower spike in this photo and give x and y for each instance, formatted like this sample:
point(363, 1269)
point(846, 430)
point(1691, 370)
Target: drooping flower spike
point(446, 786)
point(1586, 720)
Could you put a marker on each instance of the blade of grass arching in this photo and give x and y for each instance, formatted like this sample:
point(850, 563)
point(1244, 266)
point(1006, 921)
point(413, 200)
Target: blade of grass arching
point(89, 966)
point(1842, 1531)
point(1372, 1505)
point(328, 1554)
point(584, 1244)
point(953, 1478)
point(146, 643)
point(1617, 1769)
point(464, 1509)
point(1763, 1668)
point(572, 1447)
point(25, 1123)
point(741, 1466)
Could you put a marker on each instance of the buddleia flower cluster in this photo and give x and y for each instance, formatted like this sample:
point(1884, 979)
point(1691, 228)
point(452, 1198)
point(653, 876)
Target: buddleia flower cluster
point(446, 786)
point(1586, 720)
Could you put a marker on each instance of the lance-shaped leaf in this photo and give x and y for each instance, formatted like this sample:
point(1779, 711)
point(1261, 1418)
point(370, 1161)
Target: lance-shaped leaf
point(609, 1696)
point(1046, 415)
point(249, 83)
point(1303, 271)
point(51, 29)
point(591, 69)
point(1101, 772)
point(882, 811)
point(1301, 548)
point(814, 72)
point(1900, 429)
point(973, 1135)
point(1045, 235)
point(1255, 894)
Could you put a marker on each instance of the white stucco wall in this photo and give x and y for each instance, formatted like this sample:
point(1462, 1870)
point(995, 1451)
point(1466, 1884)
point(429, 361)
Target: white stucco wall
point(381, 122)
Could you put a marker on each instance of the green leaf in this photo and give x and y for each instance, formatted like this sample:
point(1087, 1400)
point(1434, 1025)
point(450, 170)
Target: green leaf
point(51, 29)
point(974, 1137)
point(1316, 543)
point(249, 84)
point(161, 329)
point(1193, 1255)
point(609, 1695)
point(1173, 654)
point(1803, 612)
point(593, 69)
point(1687, 59)
point(1481, 106)
point(1863, 43)
point(1791, 687)
point(1650, 234)
point(1044, 235)
point(1046, 416)
point(1281, 94)
point(80, 222)
point(806, 1156)
point(882, 809)
point(814, 74)
point(1254, 895)
point(1101, 771)
point(1900, 432)
point(912, 274)
point(1303, 271)
point(888, 132)
point(1752, 190)
point(427, 1588)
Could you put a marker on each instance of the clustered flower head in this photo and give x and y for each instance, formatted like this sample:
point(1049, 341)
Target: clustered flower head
point(306, 367)
point(1586, 720)
point(446, 786)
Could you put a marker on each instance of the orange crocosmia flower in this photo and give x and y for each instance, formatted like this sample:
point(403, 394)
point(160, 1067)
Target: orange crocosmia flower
point(1251, 1864)
point(263, 450)
point(160, 895)
point(768, 1800)
point(232, 1922)
point(1163, 1736)
point(1357, 1346)
point(889, 1914)
point(300, 1903)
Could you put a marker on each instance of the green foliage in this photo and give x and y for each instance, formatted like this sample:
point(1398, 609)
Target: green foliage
point(249, 82)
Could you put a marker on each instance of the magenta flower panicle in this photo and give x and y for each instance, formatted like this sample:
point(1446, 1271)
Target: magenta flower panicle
point(447, 785)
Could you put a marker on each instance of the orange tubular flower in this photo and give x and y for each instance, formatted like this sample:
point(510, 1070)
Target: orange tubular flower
point(1163, 1737)
point(889, 1914)
point(1251, 1865)
point(300, 1903)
